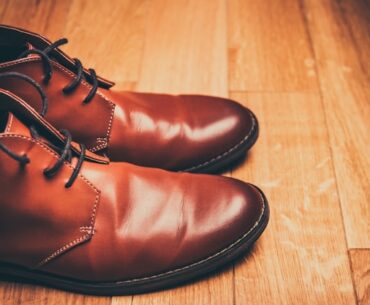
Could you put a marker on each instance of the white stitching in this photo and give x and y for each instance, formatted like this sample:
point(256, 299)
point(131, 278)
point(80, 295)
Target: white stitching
point(89, 230)
point(79, 240)
point(110, 122)
point(63, 249)
point(84, 83)
point(10, 123)
point(105, 140)
point(18, 61)
point(262, 201)
point(87, 236)
point(93, 215)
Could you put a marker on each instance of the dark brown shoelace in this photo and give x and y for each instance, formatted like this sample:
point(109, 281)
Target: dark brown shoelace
point(34, 84)
point(65, 153)
point(90, 77)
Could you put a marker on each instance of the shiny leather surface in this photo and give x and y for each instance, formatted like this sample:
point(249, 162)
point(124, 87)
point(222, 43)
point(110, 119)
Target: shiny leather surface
point(158, 130)
point(118, 221)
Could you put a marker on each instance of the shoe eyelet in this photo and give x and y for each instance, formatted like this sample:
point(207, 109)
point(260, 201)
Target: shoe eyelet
point(25, 160)
point(45, 172)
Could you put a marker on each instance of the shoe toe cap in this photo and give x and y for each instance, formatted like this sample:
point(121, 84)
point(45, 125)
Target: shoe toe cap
point(219, 127)
point(231, 210)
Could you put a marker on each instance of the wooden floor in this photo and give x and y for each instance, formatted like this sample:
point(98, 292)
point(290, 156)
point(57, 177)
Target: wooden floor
point(303, 66)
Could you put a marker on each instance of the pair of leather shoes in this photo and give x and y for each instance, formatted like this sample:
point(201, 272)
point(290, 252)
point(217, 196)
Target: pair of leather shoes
point(120, 212)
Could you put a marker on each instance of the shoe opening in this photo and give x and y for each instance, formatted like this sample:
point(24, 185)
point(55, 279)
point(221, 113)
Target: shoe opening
point(4, 118)
point(11, 52)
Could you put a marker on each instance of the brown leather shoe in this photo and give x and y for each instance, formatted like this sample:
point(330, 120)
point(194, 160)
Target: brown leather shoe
point(71, 220)
point(186, 132)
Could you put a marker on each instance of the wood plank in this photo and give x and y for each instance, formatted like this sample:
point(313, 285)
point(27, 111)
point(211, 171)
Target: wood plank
point(22, 294)
point(268, 47)
point(109, 39)
point(44, 17)
point(212, 290)
point(180, 46)
point(345, 92)
point(302, 257)
point(185, 48)
point(357, 17)
point(360, 263)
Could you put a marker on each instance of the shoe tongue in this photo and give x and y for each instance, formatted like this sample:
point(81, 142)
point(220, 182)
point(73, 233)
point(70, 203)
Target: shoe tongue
point(14, 125)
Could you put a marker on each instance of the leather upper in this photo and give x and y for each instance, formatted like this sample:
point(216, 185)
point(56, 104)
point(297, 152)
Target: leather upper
point(172, 132)
point(118, 221)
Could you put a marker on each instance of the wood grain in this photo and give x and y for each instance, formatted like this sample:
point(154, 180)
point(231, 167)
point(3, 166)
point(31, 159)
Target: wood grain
point(17, 294)
point(46, 17)
point(360, 263)
point(345, 92)
point(113, 46)
point(268, 47)
point(356, 16)
point(302, 66)
point(177, 58)
point(299, 260)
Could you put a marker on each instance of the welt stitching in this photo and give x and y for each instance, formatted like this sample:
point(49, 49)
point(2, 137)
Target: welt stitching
point(84, 83)
point(87, 236)
point(227, 152)
point(262, 201)
point(93, 215)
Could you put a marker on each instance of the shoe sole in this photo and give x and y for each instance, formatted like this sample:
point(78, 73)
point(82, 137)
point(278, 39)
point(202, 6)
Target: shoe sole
point(142, 285)
point(222, 161)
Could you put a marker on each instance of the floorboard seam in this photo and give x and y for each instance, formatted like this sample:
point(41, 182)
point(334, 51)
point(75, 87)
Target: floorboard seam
point(311, 43)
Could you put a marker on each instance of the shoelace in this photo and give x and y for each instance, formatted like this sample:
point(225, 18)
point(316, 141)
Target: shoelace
point(48, 69)
point(65, 153)
point(31, 81)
